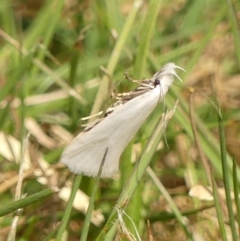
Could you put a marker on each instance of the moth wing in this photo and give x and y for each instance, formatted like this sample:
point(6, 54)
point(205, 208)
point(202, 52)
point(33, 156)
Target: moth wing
point(85, 153)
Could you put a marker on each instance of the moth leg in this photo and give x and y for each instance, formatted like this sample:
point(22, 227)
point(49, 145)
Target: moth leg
point(126, 75)
point(143, 83)
point(92, 116)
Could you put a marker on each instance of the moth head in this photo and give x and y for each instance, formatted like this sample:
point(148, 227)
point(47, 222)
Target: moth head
point(170, 69)
point(167, 70)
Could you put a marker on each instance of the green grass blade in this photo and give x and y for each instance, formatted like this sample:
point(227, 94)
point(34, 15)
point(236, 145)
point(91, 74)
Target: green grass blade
point(194, 11)
point(145, 37)
point(171, 203)
point(73, 79)
point(236, 193)
point(44, 24)
point(226, 176)
point(87, 220)
point(232, 16)
point(208, 36)
point(16, 74)
point(114, 16)
point(219, 210)
point(68, 209)
point(24, 202)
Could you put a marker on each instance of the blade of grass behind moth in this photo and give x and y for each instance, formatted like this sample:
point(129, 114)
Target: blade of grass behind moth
point(118, 48)
point(139, 170)
point(115, 19)
point(234, 26)
point(236, 192)
point(193, 13)
point(198, 49)
point(202, 156)
point(91, 201)
point(178, 35)
point(226, 176)
point(44, 24)
point(171, 203)
point(173, 54)
point(146, 34)
point(218, 209)
point(207, 37)
point(68, 209)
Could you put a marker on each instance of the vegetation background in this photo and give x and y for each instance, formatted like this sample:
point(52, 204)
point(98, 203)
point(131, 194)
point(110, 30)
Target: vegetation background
point(60, 61)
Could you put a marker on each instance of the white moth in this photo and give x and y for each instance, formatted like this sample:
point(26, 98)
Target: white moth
point(85, 153)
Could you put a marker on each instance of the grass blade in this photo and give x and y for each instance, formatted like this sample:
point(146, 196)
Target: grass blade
point(218, 210)
point(226, 177)
point(68, 209)
point(146, 34)
point(24, 202)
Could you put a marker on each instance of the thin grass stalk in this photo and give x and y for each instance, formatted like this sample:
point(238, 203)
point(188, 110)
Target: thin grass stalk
point(226, 176)
point(68, 209)
point(87, 220)
point(236, 192)
point(218, 209)
point(166, 216)
point(24, 147)
point(171, 203)
point(203, 158)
